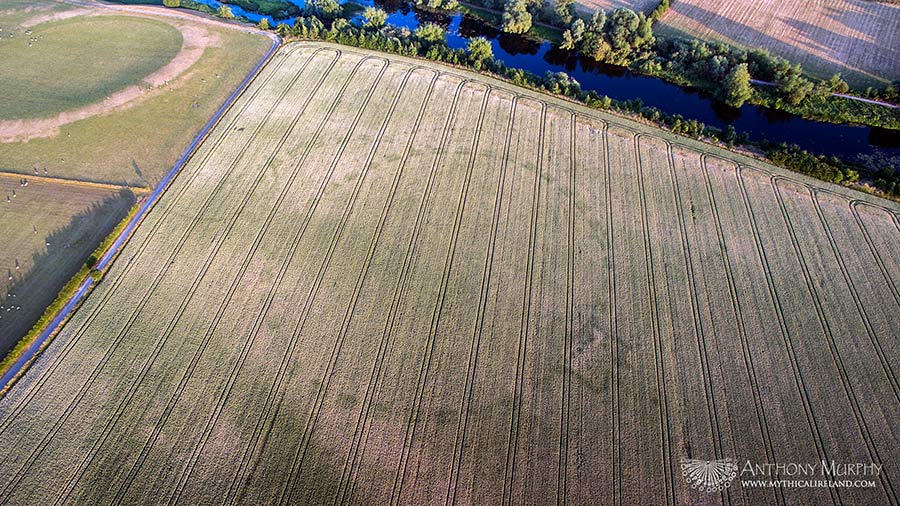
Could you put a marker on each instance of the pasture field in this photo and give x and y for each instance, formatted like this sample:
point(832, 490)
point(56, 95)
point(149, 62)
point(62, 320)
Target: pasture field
point(112, 94)
point(48, 229)
point(857, 38)
point(132, 48)
point(101, 94)
point(386, 281)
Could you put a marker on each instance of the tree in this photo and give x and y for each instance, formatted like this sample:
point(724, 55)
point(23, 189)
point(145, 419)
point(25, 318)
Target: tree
point(224, 12)
point(564, 10)
point(172, 3)
point(264, 24)
point(327, 9)
point(480, 52)
point(431, 33)
point(794, 87)
point(837, 85)
point(568, 41)
point(736, 87)
point(375, 17)
point(516, 18)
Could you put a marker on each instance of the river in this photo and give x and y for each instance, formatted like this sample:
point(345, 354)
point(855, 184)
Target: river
point(845, 141)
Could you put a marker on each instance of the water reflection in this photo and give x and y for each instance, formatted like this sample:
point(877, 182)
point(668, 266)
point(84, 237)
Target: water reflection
point(621, 84)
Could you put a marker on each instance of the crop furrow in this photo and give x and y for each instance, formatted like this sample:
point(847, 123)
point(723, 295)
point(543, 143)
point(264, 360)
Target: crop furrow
point(362, 417)
point(143, 302)
point(785, 334)
point(248, 343)
point(871, 244)
point(221, 308)
point(412, 250)
point(829, 336)
point(661, 388)
point(148, 445)
point(562, 471)
point(131, 262)
point(516, 412)
point(438, 308)
point(739, 318)
point(312, 420)
point(465, 405)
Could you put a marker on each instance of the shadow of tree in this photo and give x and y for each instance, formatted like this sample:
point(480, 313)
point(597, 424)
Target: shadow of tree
point(69, 247)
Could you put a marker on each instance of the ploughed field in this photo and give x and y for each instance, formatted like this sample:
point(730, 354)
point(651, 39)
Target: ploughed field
point(382, 280)
point(858, 38)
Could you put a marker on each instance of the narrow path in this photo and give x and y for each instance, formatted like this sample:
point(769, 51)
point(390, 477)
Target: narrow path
point(842, 95)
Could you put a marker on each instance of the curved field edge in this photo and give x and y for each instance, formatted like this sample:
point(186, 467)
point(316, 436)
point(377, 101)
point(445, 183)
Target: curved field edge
point(137, 142)
point(134, 47)
point(693, 144)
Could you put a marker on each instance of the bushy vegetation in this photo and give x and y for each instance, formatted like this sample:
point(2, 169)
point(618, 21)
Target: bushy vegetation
point(820, 167)
point(620, 38)
point(516, 18)
point(430, 41)
point(277, 9)
point(325, 9)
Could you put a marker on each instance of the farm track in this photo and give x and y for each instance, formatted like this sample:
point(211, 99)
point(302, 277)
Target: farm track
point(857, 301)
point(562, 481)
point(875, 254)
point(614, 340)
point(249, 348)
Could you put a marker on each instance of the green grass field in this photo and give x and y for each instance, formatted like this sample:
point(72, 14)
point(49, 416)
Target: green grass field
point(386, 281)
point(59, 66)
point(48, 230)
point(138, 144)
point(72, 63)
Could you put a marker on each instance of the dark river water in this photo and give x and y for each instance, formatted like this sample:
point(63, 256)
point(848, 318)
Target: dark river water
point(621, 84)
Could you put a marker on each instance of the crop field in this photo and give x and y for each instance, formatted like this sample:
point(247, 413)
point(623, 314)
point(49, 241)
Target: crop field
point(48, 229)
point(384, 281)
point(857, 38)
point(588, 6)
